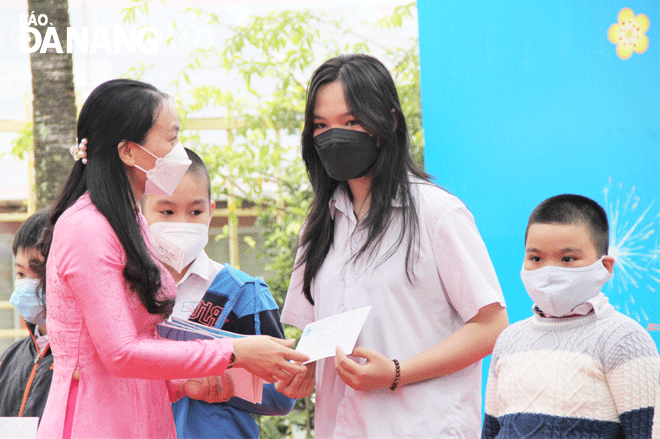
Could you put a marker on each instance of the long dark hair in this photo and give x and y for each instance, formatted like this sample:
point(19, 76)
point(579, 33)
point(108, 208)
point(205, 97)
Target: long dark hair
point(371, 95)
point(117, 110)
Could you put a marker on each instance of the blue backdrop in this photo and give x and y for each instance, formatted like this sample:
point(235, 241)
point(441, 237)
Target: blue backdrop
point(522, 100)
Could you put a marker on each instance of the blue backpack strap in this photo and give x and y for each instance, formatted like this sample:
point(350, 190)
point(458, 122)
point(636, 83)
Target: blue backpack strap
point(247, 298)
point(257, 290)
point(228, 282)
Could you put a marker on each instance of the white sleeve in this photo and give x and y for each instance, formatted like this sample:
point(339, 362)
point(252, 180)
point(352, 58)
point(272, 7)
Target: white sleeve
point(463, 264)
point(297, 310)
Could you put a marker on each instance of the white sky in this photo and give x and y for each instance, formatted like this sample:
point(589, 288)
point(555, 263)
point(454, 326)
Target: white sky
point(93, 68)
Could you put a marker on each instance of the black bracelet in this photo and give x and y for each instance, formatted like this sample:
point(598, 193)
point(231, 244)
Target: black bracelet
point(232, 359)
point(397, 375)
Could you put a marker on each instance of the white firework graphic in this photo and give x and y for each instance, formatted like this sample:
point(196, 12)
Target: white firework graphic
point(634, 244)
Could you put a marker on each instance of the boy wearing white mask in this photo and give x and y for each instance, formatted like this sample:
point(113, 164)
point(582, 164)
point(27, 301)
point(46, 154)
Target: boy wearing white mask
point(213, 294)
point(26, 366)
point(577, 367)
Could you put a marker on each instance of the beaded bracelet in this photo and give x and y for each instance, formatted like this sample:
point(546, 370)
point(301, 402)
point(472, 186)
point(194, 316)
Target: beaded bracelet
point(397, 375)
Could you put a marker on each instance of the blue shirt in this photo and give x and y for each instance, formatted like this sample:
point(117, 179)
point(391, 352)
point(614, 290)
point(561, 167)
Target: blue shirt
point(247, 307)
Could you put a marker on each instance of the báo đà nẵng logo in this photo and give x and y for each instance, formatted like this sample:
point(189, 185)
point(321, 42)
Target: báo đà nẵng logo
point(99, 39)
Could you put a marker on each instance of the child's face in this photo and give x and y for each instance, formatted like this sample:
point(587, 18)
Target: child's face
point(188, 204)
point(561, 245)
point(23, 258)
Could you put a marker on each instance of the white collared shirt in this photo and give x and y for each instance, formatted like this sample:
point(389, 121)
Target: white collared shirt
point(454, 278)
point(594, 304)
point(41, 339)
point(194, 284)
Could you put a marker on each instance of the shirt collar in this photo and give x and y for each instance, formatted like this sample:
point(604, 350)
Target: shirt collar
point(40, 340)
point(594, 304)
point(200, 267)
point(340, 201)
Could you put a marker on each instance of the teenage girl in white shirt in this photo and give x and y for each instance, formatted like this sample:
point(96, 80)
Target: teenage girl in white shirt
point(380, 234)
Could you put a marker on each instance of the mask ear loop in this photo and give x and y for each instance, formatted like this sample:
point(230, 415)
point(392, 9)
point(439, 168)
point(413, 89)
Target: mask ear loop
point(145, 150)
point(137, 167)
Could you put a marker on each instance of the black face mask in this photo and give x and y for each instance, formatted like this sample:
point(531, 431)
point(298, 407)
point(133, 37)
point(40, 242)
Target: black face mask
point(346, 154)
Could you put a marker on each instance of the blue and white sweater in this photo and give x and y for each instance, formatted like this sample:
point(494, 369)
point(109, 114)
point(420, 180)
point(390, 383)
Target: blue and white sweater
point(593, 376)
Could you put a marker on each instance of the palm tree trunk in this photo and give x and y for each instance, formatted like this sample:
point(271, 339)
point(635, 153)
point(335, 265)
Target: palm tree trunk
point(54, 106)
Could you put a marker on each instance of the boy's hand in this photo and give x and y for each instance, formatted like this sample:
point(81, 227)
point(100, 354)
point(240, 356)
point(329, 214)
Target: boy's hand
point(210, 389)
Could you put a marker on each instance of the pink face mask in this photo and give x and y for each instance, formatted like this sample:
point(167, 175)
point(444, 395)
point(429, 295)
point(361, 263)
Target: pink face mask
point(165, 176)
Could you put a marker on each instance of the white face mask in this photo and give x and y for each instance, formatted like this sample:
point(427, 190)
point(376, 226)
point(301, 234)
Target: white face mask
point(178, 244)
point(165, 176)
point(557, 290)
point(26, 301)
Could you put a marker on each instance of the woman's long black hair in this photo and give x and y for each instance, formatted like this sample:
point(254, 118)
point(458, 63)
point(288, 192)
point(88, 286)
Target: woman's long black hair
point(117, 110)
point(371, 95)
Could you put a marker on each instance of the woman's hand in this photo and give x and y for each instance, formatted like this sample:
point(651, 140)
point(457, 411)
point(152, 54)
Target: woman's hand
point(268, 357)
point(378, 372)
point(300, 385)
point(209, 389)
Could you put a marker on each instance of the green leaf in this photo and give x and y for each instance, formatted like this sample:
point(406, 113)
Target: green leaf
point(23, 143)
point(250, 241)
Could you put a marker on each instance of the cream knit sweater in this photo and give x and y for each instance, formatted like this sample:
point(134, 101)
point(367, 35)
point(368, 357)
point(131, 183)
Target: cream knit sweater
point(593, 376)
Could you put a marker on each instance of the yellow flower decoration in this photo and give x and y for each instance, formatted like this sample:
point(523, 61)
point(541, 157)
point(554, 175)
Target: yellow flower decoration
point(629, 34)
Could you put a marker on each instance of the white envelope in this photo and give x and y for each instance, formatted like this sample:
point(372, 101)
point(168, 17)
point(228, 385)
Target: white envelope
point(320, 338)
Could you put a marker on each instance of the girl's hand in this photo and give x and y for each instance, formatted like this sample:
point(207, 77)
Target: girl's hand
point(378, 372)
point(268, 357)
point(209, 389)
point(300, 385)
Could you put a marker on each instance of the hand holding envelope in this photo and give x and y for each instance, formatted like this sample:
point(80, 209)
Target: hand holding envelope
point(322, 339)
point(300, 385)
point(258, 358)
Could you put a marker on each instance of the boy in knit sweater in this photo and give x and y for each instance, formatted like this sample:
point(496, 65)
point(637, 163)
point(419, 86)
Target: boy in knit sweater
point(576, 368)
